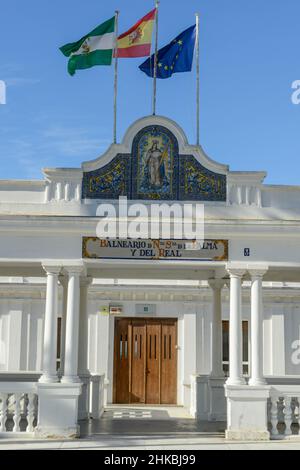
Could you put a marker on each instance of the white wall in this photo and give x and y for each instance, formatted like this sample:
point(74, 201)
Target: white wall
point(21, 334)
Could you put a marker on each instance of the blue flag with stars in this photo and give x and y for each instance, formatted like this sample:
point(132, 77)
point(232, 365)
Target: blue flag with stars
point(173, 58)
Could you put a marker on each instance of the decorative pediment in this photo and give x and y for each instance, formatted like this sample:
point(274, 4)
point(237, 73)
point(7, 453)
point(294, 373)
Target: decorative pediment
point(155, 163)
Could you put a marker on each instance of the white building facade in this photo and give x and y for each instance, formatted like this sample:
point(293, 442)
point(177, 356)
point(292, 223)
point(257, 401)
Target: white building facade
point(86, 322)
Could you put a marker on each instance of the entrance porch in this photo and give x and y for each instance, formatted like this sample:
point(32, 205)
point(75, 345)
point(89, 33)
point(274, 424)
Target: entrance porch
point(55, 403)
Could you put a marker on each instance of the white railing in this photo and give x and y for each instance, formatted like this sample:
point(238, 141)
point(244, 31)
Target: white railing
point(284, 411)
point(63, 185)
point(245, 194)
point(18, 407)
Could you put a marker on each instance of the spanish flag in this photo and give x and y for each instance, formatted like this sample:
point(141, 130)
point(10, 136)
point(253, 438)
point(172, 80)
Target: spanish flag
point(136, 42)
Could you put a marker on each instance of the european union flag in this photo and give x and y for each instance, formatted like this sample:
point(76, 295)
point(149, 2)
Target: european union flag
point(175, 57)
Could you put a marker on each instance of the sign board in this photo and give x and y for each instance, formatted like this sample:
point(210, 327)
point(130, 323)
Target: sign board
point(184, 250)
point(115, 309)
point(148, 309)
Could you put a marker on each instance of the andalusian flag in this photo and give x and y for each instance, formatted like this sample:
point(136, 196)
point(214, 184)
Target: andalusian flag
point(96, 48)
point(136, 42)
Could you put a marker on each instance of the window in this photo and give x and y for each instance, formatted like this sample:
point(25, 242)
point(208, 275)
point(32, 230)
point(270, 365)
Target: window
point(245, 346)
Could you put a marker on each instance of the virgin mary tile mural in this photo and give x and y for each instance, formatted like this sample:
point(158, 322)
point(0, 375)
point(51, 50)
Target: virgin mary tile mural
point(155, 164)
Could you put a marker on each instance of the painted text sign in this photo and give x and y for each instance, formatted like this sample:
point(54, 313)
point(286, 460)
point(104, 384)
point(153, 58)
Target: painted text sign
point(207, 250)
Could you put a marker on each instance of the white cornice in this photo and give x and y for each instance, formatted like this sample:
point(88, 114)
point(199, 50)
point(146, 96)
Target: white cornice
point(282, 187)
point(21, 184)
point(246, 177)
point(138, 293)
point(58, 174)
point(78, 225)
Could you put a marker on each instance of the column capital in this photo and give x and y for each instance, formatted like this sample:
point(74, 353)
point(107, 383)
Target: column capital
point(63, 280)
point(257, 272)
point(75, 268)
point(236, 272)
point(50, 268)
point(216, 283)
point(85, 281)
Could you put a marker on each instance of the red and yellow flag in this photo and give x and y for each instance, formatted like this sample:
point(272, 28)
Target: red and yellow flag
point(136, 42)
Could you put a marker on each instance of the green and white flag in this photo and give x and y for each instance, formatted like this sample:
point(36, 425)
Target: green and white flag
point(96, 48)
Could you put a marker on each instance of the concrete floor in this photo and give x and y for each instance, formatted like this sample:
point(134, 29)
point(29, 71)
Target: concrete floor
point(148, 428)
point(148, 422)
point(144, 443)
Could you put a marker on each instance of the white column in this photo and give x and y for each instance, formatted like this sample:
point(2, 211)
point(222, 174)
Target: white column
point(235, 329)
point(256, 328)
point(83, 327)
point(83, 372)
point(72, 326)
point(216, 338)
point(50, 326)
point(64, 284)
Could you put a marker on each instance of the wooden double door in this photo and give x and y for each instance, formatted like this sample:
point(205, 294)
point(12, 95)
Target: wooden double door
point(145, 361)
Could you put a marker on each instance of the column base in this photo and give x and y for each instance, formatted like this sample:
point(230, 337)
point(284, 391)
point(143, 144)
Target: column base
point(208, 398)
point(97, 396)
point(257, 383)
point(217, 401)
point(235, 382)
point(72, 379)
point(53, 432)
point(58, 410)
point(48, 379)
point(247, 435)
point(247, 413)
point(84, 399)
point(217, 375)
point(199, 399)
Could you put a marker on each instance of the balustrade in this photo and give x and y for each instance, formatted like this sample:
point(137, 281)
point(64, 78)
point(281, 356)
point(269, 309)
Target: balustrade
point(18, 407)
point(284, 411)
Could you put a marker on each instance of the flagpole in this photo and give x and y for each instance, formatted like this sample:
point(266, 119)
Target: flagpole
point(197, 79)
point(116, 74)
point(155, 60)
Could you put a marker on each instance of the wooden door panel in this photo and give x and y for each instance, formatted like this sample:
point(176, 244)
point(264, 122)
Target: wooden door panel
point(168, 394)
point(153, 362)
point(138, 362)
point(122, 360)
point(145, 361)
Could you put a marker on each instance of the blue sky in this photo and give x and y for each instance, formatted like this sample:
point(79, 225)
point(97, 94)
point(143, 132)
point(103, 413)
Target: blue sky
point(249, 59)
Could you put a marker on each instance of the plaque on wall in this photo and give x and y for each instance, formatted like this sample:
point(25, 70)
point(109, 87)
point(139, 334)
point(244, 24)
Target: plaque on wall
point(181, 250)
